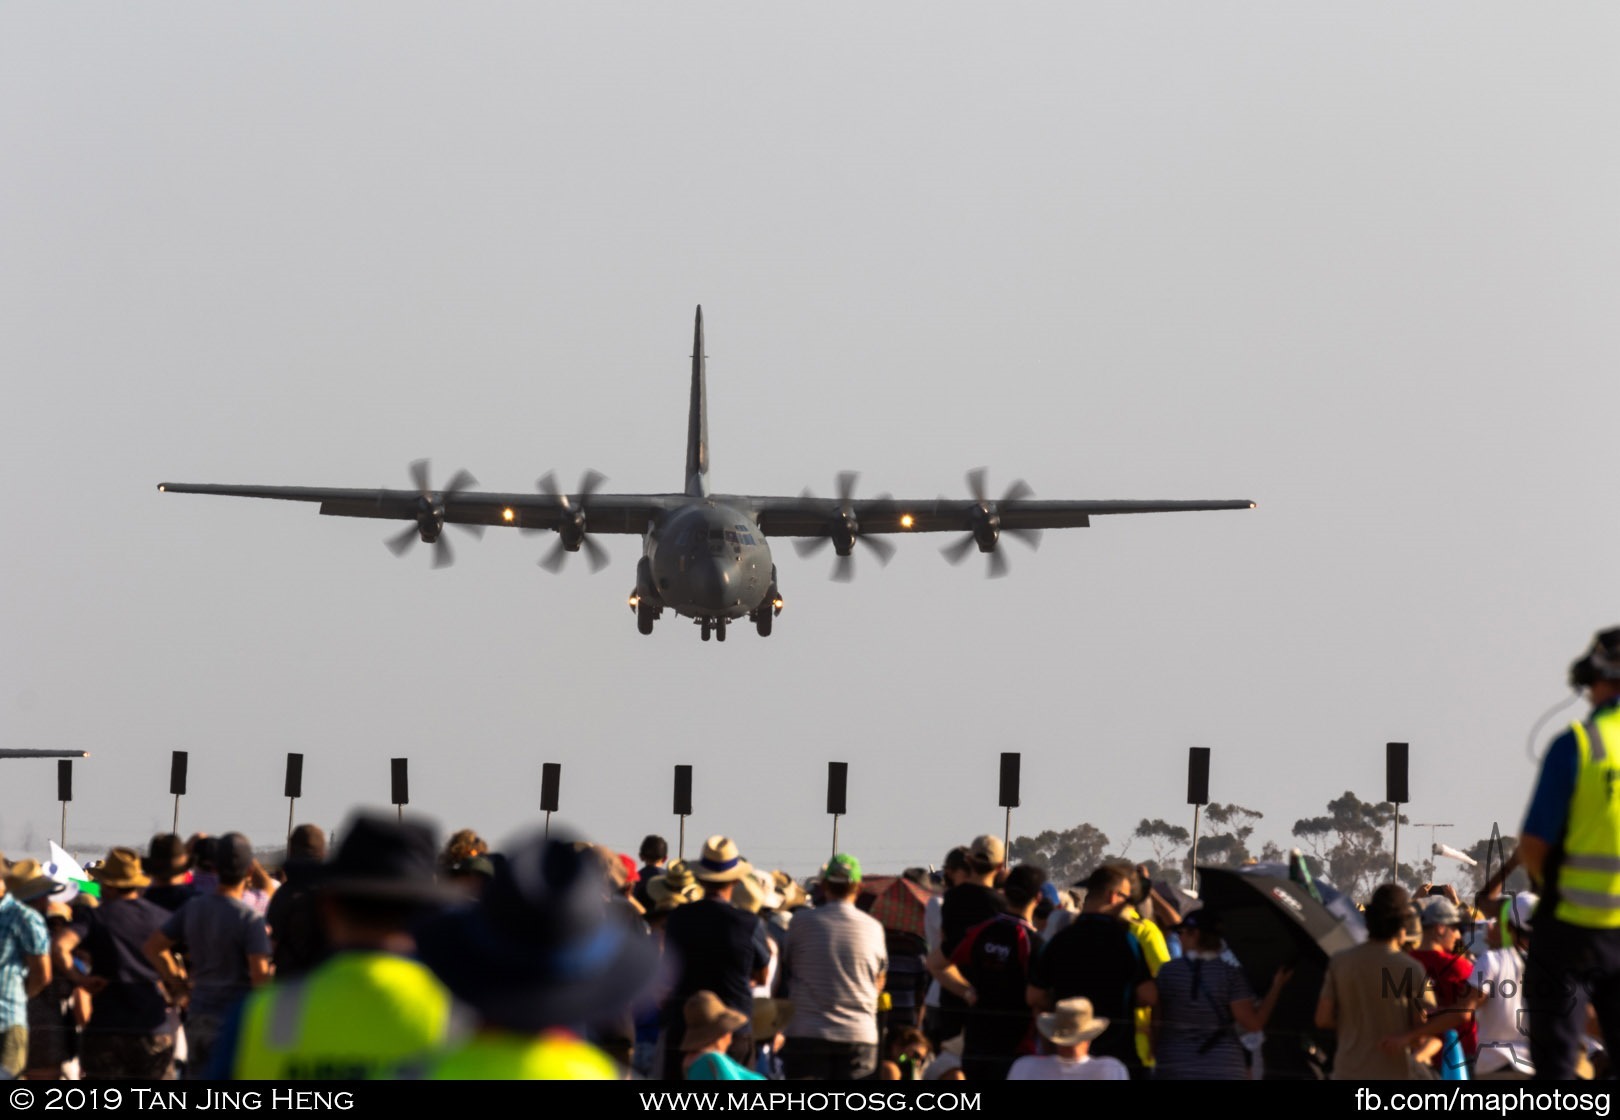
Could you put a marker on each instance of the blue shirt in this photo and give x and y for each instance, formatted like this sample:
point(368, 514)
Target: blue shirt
point(22, 935)
point(1555, 786)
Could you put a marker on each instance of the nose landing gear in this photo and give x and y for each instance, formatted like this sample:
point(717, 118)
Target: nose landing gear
point(715, 626)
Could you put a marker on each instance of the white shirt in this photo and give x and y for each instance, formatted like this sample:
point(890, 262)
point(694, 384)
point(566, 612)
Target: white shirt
point(1499, 975)
point(1050, 1067)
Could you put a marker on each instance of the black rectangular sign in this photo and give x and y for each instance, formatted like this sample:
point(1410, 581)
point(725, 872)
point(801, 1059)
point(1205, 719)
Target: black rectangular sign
point(550, 780)
point(683, 791)
point(837, 787)
point(402, 791)
point(177, 773)
point(295, 775)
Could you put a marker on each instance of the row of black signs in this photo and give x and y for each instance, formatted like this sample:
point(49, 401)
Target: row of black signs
point(1395, 774)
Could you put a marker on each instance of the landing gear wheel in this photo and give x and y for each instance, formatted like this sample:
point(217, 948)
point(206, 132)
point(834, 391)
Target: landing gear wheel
point(762, 622)
point(720, 630)
point(705, 628)
point(644, 617)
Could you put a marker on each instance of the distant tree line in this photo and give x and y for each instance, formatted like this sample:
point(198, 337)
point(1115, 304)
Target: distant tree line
point(1348, 846)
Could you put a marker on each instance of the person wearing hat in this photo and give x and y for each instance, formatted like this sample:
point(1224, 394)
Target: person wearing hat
point(25, 971)
point(226, 947)
point(293, 914)
point(537, 958)
point(369, 1006)
point(1205, 1002)
point(1570, 845)
point(132, 1028)
point(834, 966)
point(990, 971)
point(710, 1026)
point(971, 901)
point(1448, 969)
point(720, 949)
point(50, 1023)
point(1069, 1028)
point(1496, 996)
point(168, 866)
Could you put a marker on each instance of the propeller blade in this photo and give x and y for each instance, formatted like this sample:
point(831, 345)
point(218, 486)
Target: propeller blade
point(443, 555)
point(998, 564)
point(595, 555)
point(400, 544)
point(548, 483)
point(1018, 491)
point(846, 486)
point(881, 548)
point(1030, 537)
point(589, 482)
point(844, 569)
point(554, 560)
point(975, 484)
point(459, 481)
point(808, 546)
point(474, 528)
point(956, 553)
point(419, 475)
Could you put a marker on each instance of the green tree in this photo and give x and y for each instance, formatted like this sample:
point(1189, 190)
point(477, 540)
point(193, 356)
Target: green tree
point(1166, 840)
point(1067, 856)
point(1349, 842)
point(1227, 843)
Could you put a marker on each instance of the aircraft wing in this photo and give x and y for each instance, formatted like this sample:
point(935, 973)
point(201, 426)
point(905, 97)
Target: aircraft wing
point(812, 517)
point(608, 513)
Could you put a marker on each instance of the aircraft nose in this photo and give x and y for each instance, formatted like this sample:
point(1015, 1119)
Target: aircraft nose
point(716, 583)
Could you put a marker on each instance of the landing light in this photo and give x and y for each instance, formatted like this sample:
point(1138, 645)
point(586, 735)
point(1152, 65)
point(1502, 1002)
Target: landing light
point(777, 603)
point(508, 513)
point(162, 488)
point(905, 521)
point(635, 601)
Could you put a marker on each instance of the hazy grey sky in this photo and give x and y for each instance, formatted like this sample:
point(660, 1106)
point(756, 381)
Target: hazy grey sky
point(1357, 262)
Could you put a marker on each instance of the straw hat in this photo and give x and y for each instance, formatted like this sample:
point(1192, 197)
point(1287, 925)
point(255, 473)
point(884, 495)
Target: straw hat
point(720, 862)
point(26, 881)
point(675, 886)
point(708, 1020)
point(121, 870)
point(1071, 1021)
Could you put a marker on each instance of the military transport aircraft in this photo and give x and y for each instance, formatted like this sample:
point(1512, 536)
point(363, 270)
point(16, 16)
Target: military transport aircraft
point(706, 556)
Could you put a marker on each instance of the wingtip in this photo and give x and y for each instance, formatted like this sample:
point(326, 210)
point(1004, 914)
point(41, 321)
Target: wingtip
point(162, 486)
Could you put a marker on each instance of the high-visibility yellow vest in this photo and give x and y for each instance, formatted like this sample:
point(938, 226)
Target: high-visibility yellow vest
point(1589, 875)
point(359, 1015)
point(497, 1056)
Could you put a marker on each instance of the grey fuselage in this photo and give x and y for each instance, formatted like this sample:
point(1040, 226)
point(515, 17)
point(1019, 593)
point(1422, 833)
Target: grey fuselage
point(707, 560)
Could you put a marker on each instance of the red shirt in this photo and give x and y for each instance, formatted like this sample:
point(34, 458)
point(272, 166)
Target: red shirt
point(1450, 973)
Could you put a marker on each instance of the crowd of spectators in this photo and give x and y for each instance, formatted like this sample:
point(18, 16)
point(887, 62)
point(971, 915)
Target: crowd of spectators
point(393, 957)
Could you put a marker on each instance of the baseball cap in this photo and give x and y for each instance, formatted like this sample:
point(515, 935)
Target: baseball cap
point(843, 869)
point(989, 849)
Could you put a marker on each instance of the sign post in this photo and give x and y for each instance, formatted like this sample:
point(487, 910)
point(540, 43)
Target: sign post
point(683, 802)
point(1396, 792)
point(1197, 797)
point(177, 784)
point(837, 786)
point(64, 791)
point(401, 785)
point(293, 788)
point(1009, 797)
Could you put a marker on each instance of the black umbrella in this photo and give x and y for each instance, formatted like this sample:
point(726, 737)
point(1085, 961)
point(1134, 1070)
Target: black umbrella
point(1268, 921)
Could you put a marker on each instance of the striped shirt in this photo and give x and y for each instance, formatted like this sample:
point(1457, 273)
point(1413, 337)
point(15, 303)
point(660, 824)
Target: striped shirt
point(833, 959)
point(22, 935)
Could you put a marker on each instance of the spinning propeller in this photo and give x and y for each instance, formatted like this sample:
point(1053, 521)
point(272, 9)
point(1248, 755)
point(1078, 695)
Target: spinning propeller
point(987, 527)
point(429, 515)
point(843, 531)
point(571, 529)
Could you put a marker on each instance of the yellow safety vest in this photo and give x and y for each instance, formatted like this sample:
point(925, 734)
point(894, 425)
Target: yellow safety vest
point(497, 1056)
point(358, 1016)
point(1589, 875)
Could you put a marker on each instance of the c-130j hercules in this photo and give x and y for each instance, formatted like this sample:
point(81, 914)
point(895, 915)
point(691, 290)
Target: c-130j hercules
point(705, 556)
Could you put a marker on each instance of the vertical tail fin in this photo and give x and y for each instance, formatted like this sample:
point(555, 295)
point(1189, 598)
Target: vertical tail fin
point(697, 424)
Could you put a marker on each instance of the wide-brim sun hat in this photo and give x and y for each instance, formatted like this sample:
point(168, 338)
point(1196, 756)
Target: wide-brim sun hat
point(720, 861)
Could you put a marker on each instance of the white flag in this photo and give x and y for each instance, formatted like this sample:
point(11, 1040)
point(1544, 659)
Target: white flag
point(64, 869)
point(1452, 853)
